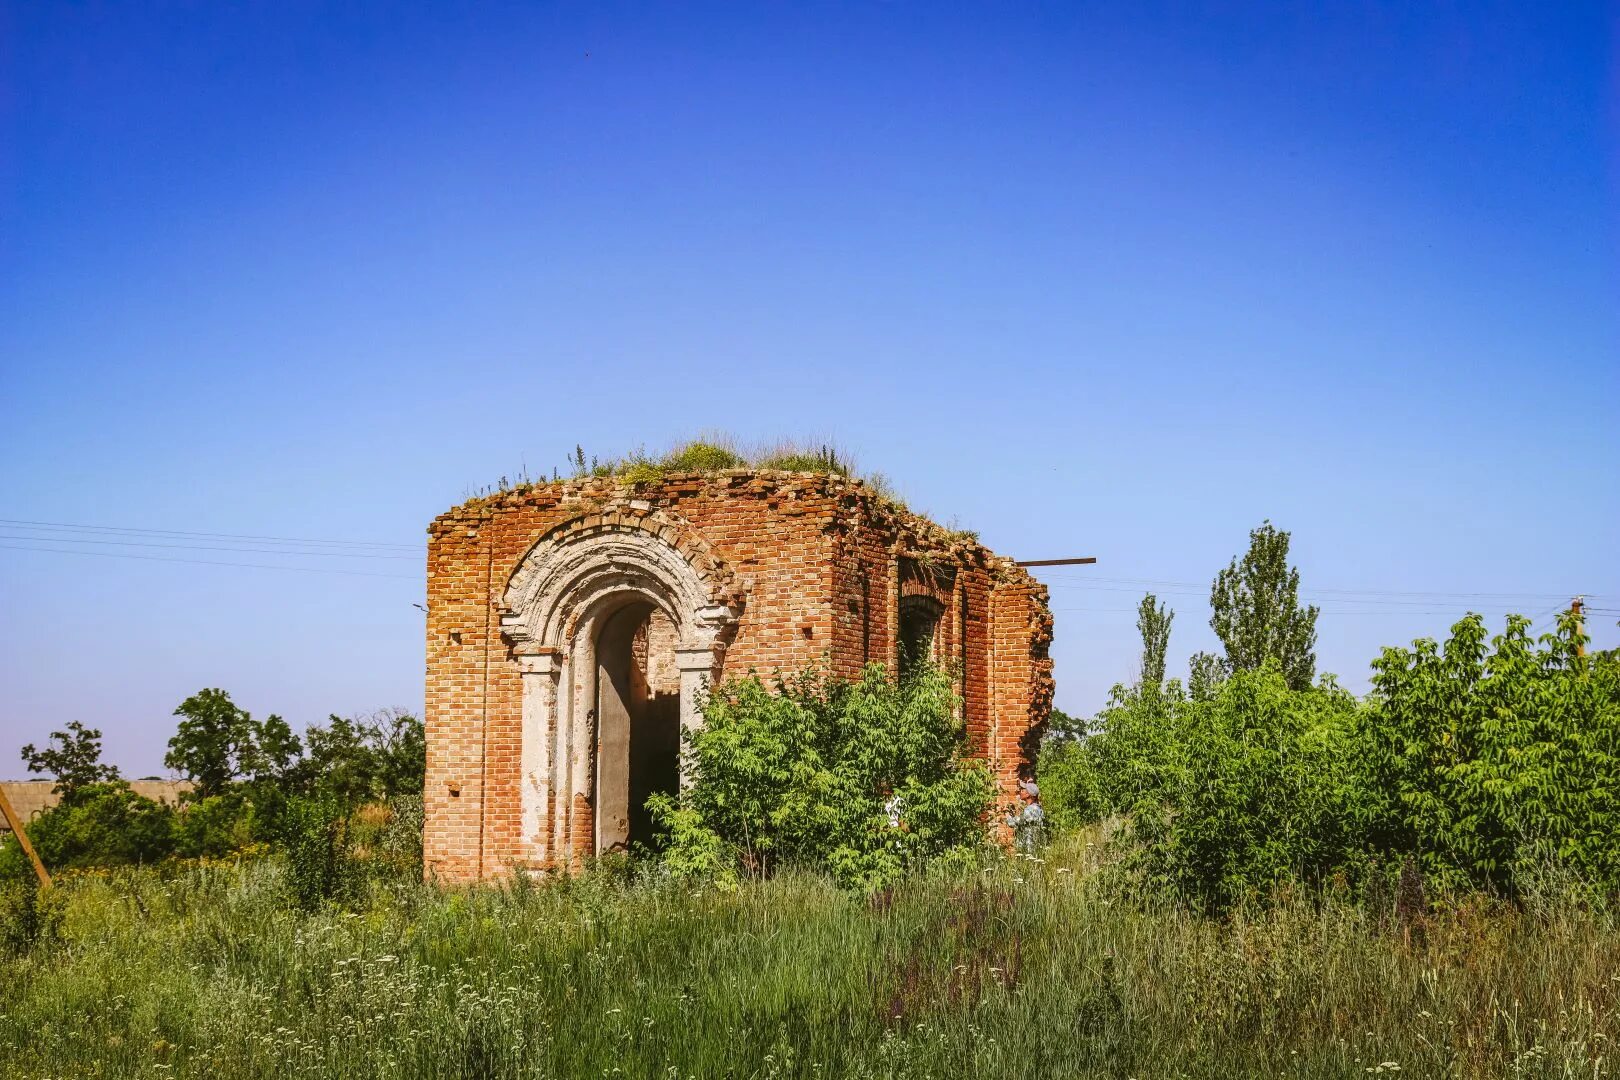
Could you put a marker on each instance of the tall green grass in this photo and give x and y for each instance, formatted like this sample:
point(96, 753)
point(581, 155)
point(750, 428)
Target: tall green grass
point(1015, 968)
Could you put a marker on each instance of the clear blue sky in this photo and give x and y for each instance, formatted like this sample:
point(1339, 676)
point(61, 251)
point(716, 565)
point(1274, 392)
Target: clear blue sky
point(1111, 280)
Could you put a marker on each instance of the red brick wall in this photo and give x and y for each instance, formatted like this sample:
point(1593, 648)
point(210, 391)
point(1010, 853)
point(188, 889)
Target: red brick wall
point(1021, 674)
point(812, 565)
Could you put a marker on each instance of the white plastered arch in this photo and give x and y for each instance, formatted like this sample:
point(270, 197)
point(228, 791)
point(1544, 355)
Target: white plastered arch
point(555, 603)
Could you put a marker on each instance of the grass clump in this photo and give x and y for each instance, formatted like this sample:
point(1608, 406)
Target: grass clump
point(715, 453)
point(708, 453)
point(791, 457)
point(700, 456)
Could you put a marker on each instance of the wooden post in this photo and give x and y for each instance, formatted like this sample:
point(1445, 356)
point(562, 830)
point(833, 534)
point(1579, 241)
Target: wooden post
point(1580, 623)
point(22, 837)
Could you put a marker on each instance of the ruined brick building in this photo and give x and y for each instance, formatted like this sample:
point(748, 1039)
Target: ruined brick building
point(572, 627)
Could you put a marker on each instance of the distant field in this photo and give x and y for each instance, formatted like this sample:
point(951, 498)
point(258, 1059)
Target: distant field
point(1019, 969)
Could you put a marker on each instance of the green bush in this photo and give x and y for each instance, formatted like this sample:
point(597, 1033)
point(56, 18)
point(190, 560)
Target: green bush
point(104, 824)
point(862, 779)
point(1490, 764)
point(216, 826)
point(1228, 795)
point(316, 839)
point(386, 838)
point(1266, 790)
point(1129, 756)
point(1492, 759)
point(30, 917)
point(1072, 787)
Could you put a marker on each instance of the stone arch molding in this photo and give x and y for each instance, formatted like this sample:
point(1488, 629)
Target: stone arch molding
point(573, 578)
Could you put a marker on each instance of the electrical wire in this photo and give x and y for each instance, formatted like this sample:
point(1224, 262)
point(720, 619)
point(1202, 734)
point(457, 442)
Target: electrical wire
point(208, 535)
point(1331, 600)
point(212, 562)
point(1321, 592)
point(203, 547)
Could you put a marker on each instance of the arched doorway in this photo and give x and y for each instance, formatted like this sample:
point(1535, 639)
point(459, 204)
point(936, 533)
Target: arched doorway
point(638, 723)
point(616, 633)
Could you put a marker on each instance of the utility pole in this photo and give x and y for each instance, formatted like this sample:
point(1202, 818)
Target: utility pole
point(1575, 606)
point(22, 837)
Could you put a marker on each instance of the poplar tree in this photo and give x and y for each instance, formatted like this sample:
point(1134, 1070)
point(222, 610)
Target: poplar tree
point(1153, 621)
point(1257, 614)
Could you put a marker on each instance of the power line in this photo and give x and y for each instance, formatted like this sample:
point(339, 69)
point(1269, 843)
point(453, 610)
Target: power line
point(1331, 603)
point(212, 562)
point(1189, 586)
point(208, 535)
point(202, 547)
point(111, 535)
point(1319, 592)
point(1331, 612)
point(1552, 613)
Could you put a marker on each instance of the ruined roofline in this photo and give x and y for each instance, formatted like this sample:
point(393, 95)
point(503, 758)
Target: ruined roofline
point(918, 532)
point(621, 486)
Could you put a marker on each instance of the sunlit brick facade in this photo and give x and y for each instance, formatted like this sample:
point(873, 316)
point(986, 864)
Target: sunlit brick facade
point(572, 627)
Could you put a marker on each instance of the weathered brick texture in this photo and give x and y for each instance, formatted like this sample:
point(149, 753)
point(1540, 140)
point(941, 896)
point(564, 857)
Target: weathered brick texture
point(802, 568)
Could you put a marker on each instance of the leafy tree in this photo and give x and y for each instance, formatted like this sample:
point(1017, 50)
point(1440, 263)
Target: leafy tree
point(214, 744)
point(400, 742)
point(340, 762)
point(861, 779)
point(1153, 623)
point(353, 760)
point(1264, 789)
point(273, 753)
point(1060, 725)
point(1204, 674)
point(72, 758)
point(1073, 793)
point(1487, 761)
point(349, 760)
point(1128, 757)
point(1257, 614)
point(1495, 758)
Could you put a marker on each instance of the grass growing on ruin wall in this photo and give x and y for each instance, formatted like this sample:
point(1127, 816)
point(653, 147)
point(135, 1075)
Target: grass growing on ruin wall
point(712, 452)
point(1018, 968)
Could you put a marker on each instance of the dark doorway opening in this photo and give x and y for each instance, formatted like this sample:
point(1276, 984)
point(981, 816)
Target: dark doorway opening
point(919, 632)
point(638, 723)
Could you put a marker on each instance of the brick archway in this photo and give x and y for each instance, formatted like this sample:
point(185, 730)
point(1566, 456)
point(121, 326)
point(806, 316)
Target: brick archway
point(564, 591)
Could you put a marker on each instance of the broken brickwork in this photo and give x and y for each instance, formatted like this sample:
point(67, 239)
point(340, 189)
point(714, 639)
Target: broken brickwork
point(572, 627)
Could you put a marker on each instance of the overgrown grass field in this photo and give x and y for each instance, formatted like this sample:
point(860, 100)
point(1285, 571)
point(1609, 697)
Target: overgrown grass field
point(1017, 967)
